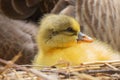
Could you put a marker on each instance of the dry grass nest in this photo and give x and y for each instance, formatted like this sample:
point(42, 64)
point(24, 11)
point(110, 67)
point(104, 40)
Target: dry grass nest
point(99, 70)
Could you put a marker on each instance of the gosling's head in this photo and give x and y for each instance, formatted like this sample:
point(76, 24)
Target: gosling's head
point(59, 31)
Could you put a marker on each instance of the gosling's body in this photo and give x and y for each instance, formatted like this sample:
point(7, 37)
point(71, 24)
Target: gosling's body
point(57, 42)
point(84, 52)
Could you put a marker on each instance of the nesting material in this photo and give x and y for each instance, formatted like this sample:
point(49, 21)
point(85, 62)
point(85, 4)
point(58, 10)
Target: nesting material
point(101, 70)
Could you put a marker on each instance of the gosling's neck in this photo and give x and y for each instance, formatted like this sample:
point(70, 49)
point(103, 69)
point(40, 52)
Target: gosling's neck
point(48, 49)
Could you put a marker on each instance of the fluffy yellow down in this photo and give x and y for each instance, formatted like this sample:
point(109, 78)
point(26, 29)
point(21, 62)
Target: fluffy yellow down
point(57, 42)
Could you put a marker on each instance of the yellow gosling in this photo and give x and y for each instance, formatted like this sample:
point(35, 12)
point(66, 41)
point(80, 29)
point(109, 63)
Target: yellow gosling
point(59, 39)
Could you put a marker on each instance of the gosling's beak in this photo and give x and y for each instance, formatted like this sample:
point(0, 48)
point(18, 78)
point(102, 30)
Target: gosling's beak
point(84, 38)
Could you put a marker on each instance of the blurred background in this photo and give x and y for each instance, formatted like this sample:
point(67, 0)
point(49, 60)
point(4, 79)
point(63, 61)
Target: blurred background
point(19, 22)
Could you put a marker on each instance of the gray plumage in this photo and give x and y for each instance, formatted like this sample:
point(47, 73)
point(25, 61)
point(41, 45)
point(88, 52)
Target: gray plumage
point(100, 19)
point(17, 36)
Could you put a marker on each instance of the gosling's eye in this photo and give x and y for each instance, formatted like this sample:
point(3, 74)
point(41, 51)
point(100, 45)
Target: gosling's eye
point(55, 33)
point(69, 29)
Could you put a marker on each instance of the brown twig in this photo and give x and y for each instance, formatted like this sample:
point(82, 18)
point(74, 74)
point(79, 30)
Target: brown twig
point(112, 67)
point(102, 71)
point(101, 62)
point(38, 74)
point(9, 65)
